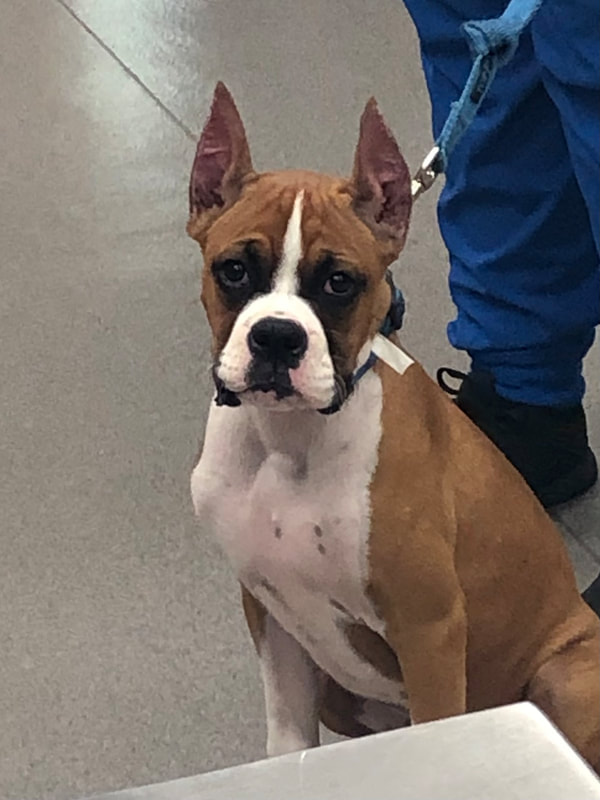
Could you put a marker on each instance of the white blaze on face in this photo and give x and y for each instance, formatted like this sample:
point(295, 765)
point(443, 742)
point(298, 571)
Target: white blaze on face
point(286, 277)
point(313, 379)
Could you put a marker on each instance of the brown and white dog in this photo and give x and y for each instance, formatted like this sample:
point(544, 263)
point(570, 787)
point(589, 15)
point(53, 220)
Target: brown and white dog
point(395, 568)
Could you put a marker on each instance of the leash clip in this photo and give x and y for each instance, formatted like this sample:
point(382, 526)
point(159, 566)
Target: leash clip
point(426, 174)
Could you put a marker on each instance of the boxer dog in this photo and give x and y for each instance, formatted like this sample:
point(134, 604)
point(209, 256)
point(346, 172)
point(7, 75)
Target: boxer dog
point(395, 568)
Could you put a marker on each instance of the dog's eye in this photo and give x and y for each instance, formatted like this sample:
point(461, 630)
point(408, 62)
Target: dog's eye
point(234, 274)
point(340, 284)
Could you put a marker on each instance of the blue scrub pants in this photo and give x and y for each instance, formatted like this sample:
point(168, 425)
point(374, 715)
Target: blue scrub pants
point(520, 211)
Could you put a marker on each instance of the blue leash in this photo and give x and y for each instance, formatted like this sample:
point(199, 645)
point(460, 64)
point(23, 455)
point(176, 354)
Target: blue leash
point(493, 42)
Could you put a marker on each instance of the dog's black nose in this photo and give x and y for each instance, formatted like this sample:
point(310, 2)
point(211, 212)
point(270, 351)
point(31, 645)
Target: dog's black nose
point(278, 340)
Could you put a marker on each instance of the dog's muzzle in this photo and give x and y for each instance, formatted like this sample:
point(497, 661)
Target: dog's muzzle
point(277, 346)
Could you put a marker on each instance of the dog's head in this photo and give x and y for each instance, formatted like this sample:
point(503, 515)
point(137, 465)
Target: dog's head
point(294, 262)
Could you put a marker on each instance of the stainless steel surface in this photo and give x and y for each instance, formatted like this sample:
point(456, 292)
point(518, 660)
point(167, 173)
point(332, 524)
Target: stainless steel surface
point(511, 753)
point(124, 658)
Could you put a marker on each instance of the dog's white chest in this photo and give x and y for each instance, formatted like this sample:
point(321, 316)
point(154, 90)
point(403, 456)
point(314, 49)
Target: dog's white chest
point(290, 506)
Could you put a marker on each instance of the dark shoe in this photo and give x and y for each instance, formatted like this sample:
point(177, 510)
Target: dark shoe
point(592, 596)
point(549, 446)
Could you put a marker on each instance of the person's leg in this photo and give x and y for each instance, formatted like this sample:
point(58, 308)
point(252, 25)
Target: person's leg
point(524, 269)
point(566, 42)
point(571, 75)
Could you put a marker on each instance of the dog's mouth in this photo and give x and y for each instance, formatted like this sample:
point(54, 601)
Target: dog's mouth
point(275, 383)
point(272, 388)
point(268, 376)
point(262, 378)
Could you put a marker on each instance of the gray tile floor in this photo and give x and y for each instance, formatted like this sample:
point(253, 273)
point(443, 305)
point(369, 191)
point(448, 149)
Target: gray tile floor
point(123, 655)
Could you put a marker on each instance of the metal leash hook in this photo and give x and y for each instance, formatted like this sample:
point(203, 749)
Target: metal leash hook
point(426, 174)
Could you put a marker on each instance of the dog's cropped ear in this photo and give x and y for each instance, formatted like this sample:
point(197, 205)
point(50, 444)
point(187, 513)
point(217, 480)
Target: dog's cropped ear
point(222, 162)
point(381, 182)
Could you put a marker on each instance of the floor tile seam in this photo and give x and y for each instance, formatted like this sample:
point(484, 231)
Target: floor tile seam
point(129, 71)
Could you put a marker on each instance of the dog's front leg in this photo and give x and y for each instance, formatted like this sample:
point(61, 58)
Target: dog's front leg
point(426, 624)
point(291, 683)
point(433, 660)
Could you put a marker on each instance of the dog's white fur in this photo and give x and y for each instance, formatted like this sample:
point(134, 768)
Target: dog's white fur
point(286, 277)
point(294, 521)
